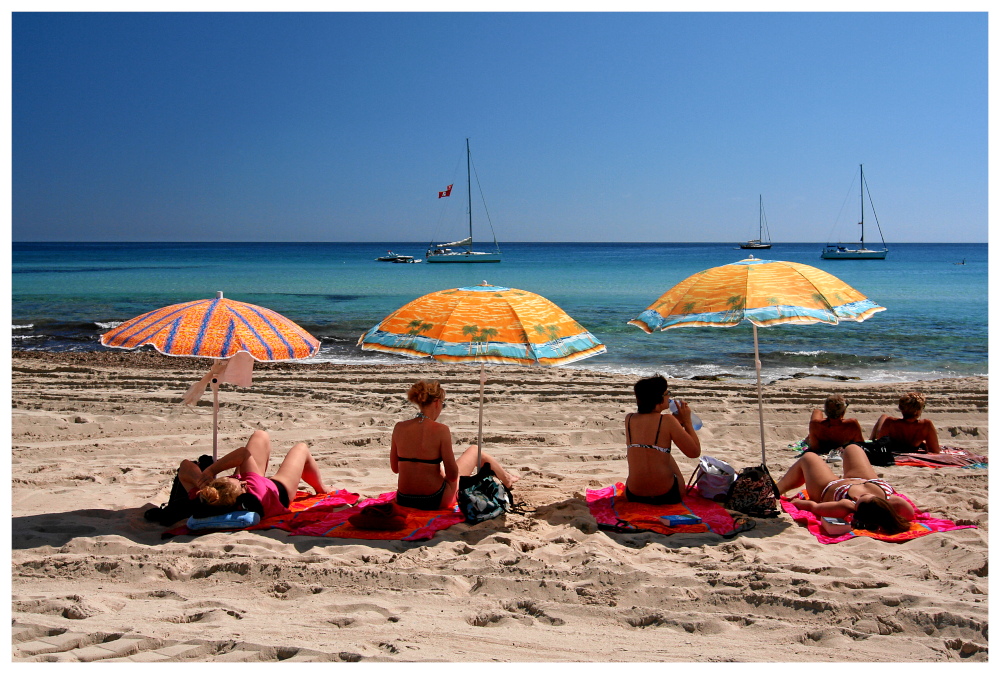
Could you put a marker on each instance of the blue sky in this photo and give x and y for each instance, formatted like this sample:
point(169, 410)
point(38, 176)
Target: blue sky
point(584, 127)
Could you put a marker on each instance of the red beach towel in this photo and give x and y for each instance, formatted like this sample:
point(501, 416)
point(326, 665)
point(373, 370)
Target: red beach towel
point(922, 524)
point(610, 508)
point(321, 520)
point(948, 457)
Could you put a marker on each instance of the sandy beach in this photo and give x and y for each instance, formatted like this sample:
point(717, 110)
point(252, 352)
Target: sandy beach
point(96, 439)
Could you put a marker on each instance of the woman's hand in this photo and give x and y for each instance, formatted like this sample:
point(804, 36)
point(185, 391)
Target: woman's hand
point(803, 504)
point(206, 478)
point(683, 413)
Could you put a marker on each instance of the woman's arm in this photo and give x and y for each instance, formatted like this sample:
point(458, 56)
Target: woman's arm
point(931, 437)
point(827, 509)
point(193, 477)
point(682, 432)
point(857, 432)
point(448, 456)
point(393, 455)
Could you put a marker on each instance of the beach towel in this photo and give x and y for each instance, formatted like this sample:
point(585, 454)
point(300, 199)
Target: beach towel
point(948, 457)
point(321, 520)
point(611, 510)
point(922, 525)
point(303, 502)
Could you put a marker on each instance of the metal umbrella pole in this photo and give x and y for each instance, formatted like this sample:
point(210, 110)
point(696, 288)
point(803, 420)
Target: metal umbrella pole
point(479, 442)
point(760, 397)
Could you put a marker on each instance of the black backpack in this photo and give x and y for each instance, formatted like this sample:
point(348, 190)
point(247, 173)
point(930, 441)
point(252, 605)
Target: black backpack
point(178, 506)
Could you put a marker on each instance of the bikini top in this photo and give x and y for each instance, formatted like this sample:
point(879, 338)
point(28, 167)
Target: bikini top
point(628, 437)
point(433, 462)
point(841, 491)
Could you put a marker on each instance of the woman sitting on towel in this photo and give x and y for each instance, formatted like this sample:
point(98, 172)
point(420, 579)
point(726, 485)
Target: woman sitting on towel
point(422, 456)
point(911, 433)
point(247, 488)
point(832, 430)
point(653, 475)
point(873, 502)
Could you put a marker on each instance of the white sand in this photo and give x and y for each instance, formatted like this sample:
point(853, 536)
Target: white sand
point(96, 438)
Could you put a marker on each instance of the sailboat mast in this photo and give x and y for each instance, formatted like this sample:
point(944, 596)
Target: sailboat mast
point(468, 175)
point(760, 218)
point(862, 205)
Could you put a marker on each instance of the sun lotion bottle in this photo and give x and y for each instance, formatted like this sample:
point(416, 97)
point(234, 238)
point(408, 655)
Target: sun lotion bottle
point(695, 419)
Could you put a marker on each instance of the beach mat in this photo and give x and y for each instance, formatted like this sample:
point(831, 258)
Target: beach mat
point(303, 502)
point(922, 525)
point(321, 520)
point(948, 457)
point(615, 513)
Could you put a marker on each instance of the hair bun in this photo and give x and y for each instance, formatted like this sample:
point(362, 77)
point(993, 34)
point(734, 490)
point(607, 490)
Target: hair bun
point(425, 392)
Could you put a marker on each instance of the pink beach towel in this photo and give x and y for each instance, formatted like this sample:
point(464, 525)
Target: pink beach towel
point(922, 525)
point(610, 508)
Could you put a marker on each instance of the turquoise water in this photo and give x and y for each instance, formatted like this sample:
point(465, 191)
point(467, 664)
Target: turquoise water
point(65, 295)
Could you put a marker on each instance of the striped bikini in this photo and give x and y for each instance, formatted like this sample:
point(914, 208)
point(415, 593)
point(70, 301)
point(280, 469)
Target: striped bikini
point(841, 492)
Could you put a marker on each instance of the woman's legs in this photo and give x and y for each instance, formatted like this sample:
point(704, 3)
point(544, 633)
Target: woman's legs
point(856, 463)
point(259, 445)
point(299, 464)
point(467, 465)
point(810, 470)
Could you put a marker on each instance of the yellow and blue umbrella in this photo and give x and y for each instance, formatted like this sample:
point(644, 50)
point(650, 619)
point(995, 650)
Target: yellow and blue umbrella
point(215, 328)
point(764, 292)
point(483, 324)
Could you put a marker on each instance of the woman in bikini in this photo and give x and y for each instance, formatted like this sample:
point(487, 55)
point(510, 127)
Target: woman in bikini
point(828, 429)
point(247, 488)
point(422, 456)
point(653, 475)
point(860, 493)
point(911, 433)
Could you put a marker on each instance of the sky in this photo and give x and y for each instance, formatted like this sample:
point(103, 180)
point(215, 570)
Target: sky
point(634, 126)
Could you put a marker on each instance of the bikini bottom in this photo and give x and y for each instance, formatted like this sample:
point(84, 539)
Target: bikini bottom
point(673, 495)
point(422, 502)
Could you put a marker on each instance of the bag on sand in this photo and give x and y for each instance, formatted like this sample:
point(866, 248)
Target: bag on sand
point(754, 493)
point(178, 506)
point(482, 496)
point(879, 452)
point(712, 477)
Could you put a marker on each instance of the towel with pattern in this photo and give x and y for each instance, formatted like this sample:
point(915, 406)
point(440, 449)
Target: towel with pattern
point(613, 511)
point(321, 520)
point(947, 457)
point(922, 525)
point(303, 502)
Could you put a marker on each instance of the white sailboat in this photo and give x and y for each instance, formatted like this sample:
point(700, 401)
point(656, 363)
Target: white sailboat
point(445, 252)
point(760, 243)
point(858, 251)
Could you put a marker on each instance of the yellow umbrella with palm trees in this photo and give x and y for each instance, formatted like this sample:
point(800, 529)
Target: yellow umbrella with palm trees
point(764, 292)
point(483, 324)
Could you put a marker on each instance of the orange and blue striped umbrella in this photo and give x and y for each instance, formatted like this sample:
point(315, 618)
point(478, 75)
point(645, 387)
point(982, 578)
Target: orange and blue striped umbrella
point(764, 292)
point(215, 328)
point(483, 324)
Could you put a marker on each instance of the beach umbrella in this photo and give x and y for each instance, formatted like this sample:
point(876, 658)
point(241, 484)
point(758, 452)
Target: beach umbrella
point(764, 292)
point(483, 324)
point(217, 328)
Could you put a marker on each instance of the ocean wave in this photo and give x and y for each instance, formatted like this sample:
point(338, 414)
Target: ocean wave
point(107, 325)
point(29, 326)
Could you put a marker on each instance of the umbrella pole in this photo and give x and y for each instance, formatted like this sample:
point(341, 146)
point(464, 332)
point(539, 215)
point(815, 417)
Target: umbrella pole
point(479, 445)
point(760, 397)
point(215, 418)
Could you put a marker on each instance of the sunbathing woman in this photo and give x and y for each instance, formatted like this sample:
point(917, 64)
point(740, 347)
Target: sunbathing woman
point(422, 456)
point(911, 433)
point(247, 488)
point(653, 475)
point(872, 501)
point(833, 430)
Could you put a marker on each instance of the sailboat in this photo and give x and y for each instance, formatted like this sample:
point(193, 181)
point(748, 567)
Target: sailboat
point(445, 252)
point(760, 243)
point(858, 251)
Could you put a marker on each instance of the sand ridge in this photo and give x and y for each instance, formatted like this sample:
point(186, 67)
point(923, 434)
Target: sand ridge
point(96, 438)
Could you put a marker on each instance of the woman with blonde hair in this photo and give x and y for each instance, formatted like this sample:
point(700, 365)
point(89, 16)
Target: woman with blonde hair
point(872, 502)
point(422, 455)
point(247, 488)
point(911, 433)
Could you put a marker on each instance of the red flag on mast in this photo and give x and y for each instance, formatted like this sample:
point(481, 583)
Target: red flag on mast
point(447, 191)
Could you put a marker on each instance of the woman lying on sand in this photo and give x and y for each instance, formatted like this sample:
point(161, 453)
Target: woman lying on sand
point(832, 430)
point(860, 492)
point(653, 475)
point(247, 488)
point(422, 456)
point(911, 433)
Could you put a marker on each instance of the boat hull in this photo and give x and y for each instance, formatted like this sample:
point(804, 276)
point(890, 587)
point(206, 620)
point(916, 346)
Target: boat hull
point(838, 253)
point(473, 256)
point(755, 246)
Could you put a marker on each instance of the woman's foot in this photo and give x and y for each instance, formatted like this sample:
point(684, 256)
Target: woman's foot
point(508, 477)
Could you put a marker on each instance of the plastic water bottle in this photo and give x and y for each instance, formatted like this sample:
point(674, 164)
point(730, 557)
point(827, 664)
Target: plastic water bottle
point(695, 419)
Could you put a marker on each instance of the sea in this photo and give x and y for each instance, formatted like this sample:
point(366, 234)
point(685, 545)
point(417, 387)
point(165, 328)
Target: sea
point(64, 295)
